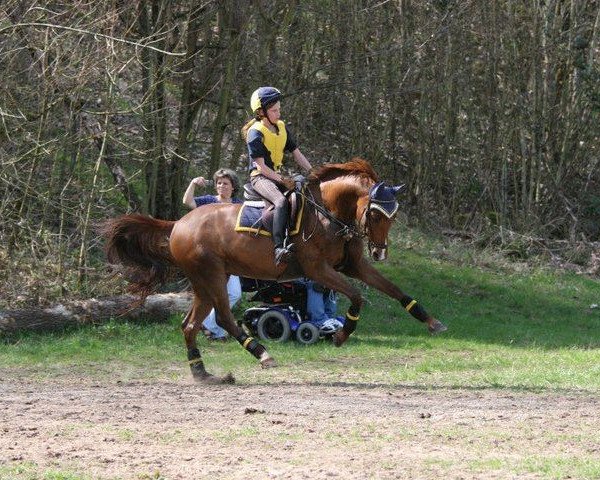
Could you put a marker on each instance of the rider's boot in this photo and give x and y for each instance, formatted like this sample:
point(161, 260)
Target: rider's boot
point(282, 250)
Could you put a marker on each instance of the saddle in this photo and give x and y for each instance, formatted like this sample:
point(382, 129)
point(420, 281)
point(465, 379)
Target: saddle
point(256, 215)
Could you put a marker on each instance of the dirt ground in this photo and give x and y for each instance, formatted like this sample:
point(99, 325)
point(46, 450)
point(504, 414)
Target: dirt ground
point(181, 430)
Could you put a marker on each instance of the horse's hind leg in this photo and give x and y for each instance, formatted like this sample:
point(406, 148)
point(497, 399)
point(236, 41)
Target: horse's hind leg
point(191, 326)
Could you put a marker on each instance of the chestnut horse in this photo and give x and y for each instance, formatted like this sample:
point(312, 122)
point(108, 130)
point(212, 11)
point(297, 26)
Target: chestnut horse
point(205, 246)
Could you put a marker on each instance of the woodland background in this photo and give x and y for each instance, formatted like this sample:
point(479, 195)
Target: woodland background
point(489, 110)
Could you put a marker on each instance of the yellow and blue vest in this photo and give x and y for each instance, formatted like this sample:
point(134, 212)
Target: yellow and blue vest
point(271, 146)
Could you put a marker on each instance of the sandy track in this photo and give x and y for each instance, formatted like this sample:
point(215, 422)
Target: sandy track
point(182, 430)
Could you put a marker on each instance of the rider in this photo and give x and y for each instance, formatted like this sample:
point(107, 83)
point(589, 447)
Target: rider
point(268, 138)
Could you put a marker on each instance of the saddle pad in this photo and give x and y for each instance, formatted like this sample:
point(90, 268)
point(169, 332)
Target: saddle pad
point(250, 219)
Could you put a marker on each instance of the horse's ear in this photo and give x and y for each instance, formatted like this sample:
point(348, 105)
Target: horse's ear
point(398, 188)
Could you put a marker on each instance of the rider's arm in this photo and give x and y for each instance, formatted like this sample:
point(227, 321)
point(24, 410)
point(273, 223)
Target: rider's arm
point(292, 146)
point(301, 159)
point(266, 171)
point(188, 196)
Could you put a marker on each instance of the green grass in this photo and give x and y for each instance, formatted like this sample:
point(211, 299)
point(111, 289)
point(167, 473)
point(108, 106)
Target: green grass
point(30, 471)
point(532, 330)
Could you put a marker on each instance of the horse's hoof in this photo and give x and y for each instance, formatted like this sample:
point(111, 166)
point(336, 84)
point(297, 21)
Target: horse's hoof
point(436, 327)
point(268, 363)
point(339, 338)
point(228, 379)
point(209, 379)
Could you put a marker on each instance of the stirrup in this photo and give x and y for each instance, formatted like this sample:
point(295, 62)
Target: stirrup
point(282, 254)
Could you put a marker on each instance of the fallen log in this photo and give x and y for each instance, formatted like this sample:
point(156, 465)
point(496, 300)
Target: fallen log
point(94, 311)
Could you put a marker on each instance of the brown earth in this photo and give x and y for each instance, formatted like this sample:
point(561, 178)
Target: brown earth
point(180, 430)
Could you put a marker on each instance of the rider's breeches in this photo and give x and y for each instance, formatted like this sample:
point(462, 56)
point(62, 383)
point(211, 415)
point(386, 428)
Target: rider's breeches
point(267, 189)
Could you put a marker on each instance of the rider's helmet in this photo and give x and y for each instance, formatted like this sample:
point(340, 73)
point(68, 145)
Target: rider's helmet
point(264, 97)
point(330, 326)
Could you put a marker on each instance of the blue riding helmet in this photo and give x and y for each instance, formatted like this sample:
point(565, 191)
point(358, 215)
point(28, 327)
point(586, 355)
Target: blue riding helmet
point(263, 97)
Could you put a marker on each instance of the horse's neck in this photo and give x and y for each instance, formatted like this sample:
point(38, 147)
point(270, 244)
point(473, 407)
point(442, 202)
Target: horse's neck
point(341, 198)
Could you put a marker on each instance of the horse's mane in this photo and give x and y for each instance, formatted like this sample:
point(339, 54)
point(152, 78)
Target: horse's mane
point(357, 166)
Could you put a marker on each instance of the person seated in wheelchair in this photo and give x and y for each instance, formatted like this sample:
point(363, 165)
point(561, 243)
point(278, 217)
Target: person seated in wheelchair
point(321, 306)
point(302, 308)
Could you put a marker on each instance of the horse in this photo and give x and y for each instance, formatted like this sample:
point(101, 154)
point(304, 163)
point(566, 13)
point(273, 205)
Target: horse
point(345, 204)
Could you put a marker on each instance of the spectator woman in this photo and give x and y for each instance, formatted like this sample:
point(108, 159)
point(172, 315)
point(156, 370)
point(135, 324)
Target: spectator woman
point(227, 185)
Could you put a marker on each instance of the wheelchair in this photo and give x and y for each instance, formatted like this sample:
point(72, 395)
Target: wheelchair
point(281, 314)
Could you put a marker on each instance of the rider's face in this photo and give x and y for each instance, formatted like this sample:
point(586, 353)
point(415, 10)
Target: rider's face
point(274, 112)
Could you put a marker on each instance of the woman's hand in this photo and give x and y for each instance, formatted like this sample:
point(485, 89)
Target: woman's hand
point(188, 196)
point(200, 181)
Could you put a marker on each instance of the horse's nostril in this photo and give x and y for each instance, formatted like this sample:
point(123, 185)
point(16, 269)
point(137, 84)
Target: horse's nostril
point(378, 255)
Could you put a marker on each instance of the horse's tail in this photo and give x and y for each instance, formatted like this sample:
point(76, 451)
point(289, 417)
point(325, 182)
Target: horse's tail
point(141, 244)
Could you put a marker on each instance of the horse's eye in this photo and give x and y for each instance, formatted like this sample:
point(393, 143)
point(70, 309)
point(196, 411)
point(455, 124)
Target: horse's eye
point(376, 217)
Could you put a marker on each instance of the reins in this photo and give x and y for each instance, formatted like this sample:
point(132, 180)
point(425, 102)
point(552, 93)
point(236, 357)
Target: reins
point(347, 231)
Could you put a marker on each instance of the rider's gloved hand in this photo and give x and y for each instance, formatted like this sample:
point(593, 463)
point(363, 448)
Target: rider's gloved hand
point(299, 180)
point(287, 182)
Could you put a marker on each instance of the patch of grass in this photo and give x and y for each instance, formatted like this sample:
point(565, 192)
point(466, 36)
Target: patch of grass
point(30, 471)
point(125, 434)
point(544, 467)
point(232, 435)
point(529, 330)
point(561, 467)
point(23, 471)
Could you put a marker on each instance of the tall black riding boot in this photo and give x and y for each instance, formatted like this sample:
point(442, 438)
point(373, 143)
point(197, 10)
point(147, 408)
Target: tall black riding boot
point(282, 250)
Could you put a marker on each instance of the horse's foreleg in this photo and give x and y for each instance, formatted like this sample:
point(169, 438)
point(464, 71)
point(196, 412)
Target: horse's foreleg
point(335, 281)
point(369, 275)
point(225, 320)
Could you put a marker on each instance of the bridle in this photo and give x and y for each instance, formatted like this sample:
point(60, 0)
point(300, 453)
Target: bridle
point(349, 230)
point(366, 218)
point(346, 231)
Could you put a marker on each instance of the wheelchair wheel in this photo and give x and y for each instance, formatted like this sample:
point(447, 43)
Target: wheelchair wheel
point(273, 325)
point(307, 333)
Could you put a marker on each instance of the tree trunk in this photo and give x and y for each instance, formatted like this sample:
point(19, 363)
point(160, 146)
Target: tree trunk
point(93, 312)
point(231, 30)
point(188, 108)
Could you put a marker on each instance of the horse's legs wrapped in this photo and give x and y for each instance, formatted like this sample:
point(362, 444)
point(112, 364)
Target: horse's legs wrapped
point(369, 275)
point(191, 326)
point(226, 320)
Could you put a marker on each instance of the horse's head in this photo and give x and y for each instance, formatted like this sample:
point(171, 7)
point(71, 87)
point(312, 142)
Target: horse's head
point(355, 196)
point(377, 211)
